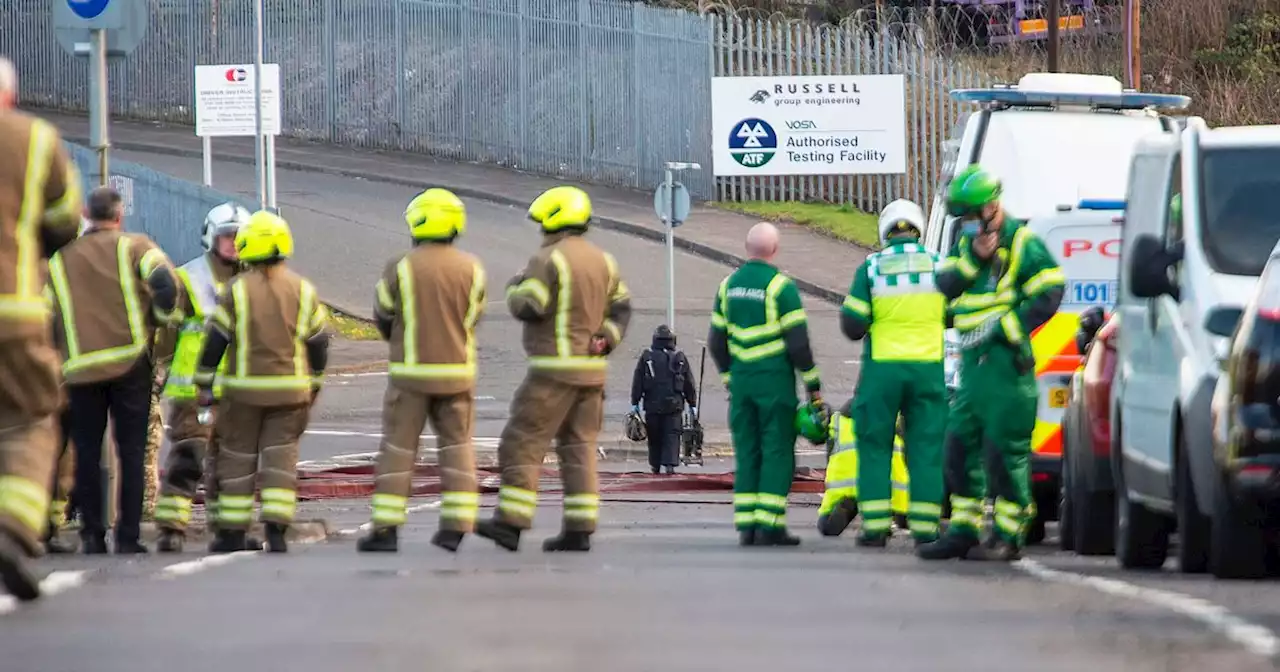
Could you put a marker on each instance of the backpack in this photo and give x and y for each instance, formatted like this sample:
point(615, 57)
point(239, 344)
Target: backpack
point(664, 380)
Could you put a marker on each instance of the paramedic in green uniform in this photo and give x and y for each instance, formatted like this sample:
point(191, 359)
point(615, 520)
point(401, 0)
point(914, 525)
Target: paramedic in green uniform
point(895, 304)
point(759, 338)
point(1003, 283)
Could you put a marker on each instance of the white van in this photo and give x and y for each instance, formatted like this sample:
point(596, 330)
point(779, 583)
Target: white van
point(1181, 272)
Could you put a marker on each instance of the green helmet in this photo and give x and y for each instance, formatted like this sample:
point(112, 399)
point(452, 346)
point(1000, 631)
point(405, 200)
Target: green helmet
point(813, 422)
point(971, 189)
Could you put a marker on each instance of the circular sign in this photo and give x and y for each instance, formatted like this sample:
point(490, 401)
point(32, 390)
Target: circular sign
point(752, 142)
point(88, 9)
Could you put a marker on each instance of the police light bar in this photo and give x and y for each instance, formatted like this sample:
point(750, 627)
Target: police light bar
point(1100, 204)
point(1113, 101)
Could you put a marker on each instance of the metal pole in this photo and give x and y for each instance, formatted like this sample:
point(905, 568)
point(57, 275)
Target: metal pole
point(1133, 43)
point(99, 119)
point(669, 185)
point(1052, 35)
point(206, 150)
point(258, 149)
point(271, 172)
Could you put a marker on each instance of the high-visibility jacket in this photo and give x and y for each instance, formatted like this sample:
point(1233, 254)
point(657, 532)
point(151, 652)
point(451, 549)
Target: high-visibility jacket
point(758, 324)
point(203, 279)
point(570, 293)
point(40, 205)
point(429, 302)
point(103, 285)
point(894, 299)
point(842, 469)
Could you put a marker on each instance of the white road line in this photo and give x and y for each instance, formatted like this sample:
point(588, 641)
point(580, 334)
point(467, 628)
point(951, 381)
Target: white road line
point(54, 583)
point(200, 564)
point(1253, 637)
point(352, 531)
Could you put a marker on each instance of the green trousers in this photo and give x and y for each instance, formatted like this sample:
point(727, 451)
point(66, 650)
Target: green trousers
point(917, 391)
point(989, 444)
point(762, 419)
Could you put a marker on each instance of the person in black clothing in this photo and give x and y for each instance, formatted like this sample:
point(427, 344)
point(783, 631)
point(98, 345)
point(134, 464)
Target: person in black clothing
point(664, 382)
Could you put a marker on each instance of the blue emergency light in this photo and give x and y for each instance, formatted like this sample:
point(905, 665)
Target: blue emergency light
point(1114, 101)
point(1100, 204)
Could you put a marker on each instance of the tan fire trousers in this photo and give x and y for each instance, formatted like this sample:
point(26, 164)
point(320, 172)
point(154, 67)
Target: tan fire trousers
point(258, 446)
point(29, 402)
point(545, 409)
point(192, 452)
point(404, 415)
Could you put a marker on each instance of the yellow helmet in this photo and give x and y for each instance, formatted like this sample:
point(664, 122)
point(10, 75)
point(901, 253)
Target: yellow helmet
point(561, 208)
point(265, 237)
point(435, 214)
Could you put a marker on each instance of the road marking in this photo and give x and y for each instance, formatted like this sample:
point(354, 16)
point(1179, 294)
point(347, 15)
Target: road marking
point(1253, 637)
point(190, 567)
point(352, 531)
point(54, 583)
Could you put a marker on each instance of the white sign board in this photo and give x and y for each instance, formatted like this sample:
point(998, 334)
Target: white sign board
point(818, 125)
point(225, 100)
point(123, 186)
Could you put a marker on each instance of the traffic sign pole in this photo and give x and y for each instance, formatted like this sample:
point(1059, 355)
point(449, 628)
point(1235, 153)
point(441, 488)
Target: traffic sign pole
point(206, 151)
point(258, 145)
point(671, 204)
point(99, 118)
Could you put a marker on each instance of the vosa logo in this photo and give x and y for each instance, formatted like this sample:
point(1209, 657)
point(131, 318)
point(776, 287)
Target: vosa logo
point(753, 142)
point(237, 75)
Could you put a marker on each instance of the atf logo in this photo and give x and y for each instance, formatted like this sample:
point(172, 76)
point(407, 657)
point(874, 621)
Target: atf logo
point(237, 75)
point(752, 142)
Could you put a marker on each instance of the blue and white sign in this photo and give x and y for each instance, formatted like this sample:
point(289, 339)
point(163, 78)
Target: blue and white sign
point(88, 9)
point(752, 142)
point(1092, 293)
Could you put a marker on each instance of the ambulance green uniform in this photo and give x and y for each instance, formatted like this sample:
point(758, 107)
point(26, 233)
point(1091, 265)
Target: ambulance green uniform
point(840, 493)
point(896, 306)
point(996, 304)
point(759, 338)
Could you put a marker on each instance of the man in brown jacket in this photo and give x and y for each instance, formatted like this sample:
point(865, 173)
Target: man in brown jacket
point(427, 306)
point(575, 309)
point(270, 324)
point(111, 289)
point(39, 214)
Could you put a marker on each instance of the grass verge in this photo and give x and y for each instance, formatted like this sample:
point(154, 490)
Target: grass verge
point(352, 328)
point(843, 222)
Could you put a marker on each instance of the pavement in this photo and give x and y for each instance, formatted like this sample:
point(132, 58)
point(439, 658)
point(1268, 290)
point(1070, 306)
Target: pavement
point(664, 588)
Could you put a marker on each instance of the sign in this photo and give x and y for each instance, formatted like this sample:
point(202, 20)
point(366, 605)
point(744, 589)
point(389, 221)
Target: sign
point(1107, 248)
point(225, 100)
point(125, 21)
point(664, 199)
point(123, 186)
point(813, 125)
point(88, 9)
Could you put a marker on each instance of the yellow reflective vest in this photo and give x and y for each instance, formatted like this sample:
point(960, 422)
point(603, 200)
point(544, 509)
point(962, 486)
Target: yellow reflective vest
point(842, 469)
point(202, 288)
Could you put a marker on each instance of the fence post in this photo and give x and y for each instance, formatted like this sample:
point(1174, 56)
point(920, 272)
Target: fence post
point(584, 117)
point(331, 88)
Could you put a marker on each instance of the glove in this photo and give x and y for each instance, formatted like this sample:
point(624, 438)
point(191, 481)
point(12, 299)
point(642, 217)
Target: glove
point(815, 398)
point(204, 397)
point(693, 412)
point(635, 408)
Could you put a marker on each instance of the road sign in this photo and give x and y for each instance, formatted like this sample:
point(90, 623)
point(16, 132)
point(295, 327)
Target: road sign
point(126, 23)
point(123, 186)
point(225, 100)
point(665, 197)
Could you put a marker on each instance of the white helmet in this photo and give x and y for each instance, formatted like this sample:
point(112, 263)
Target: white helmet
point(223, 220)
point(900, 210)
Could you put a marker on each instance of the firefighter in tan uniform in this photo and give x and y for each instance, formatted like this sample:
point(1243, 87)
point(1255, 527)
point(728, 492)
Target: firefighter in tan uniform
point(190, 455)
point(427, 305)
point(575, 309)
point(111, 290)
point(39, 213)
point(270, 324)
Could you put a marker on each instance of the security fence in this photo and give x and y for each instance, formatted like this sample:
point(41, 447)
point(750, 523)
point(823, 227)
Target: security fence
point(603, 91)
point(165, 208)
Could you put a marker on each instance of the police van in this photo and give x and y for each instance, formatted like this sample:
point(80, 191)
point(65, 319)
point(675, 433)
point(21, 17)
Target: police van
point(1061, 143)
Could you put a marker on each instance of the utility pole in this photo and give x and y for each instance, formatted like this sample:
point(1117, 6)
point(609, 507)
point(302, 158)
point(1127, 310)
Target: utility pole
point(1133, 43)
point(1053, 35)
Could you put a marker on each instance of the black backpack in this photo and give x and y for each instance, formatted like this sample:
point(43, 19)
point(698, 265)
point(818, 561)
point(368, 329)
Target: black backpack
point(664, 378)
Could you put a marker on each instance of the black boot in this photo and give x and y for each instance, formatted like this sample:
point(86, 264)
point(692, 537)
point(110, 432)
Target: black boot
point(252, 543)
point(93, 544)
point(275, 538)
point(949, 547)
point(776, 536)
point(500, 533)
point(872, 540)
point(381, 540)
point(227, 541)
point(449, 540)
point(568, 541)
point(56, 545)
point(997, 550)
point(131, 547)
point(747, 537)
point(835, 523)
point(15, 571)
point(656, 470)
point(170, 541)
point(671, 470)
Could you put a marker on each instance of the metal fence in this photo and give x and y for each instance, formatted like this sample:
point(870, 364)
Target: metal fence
point(165, 208)
point(603, 91)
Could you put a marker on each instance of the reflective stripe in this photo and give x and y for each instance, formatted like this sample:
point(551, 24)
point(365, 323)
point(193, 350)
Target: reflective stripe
point(202, 292)
point(581, 507)
point(857, 306)
point(27, 501)
point(389, 509)
point(412, 367)
point(533, 288)
point(517, 502)
point(461, 506)
point(26, 303)
point(925, 509)
point(241, 378)
point(235, 509)
point(875, 506)
point(279, 503)
point(173, 509)
point(78, 361)
point(564, 359)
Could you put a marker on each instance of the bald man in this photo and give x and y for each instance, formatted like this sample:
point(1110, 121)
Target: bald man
point(759, 339)
point(39, 212)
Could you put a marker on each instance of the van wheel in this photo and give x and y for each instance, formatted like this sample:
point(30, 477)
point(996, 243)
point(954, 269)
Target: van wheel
point(1092, 514)
point(1238, 548)
point(1142, 537)
point(1193, 526)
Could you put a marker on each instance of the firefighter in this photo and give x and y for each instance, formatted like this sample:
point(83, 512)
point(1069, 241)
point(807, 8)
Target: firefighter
point(111, 290)
point(1003, 283)
point(840, 494)
point(895, 305)
point(759, 338)
point(663, 380)
point(39, 213)
point(575, 309)
point(60, 509)
point(427, 304)
point(271, 326)
point(190, 457)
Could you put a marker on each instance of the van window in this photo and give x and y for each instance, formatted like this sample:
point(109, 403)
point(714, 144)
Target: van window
point(1172, 223)
point(1240, 207)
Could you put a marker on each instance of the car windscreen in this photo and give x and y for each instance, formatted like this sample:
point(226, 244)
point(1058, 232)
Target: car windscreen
point(1240, 209)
